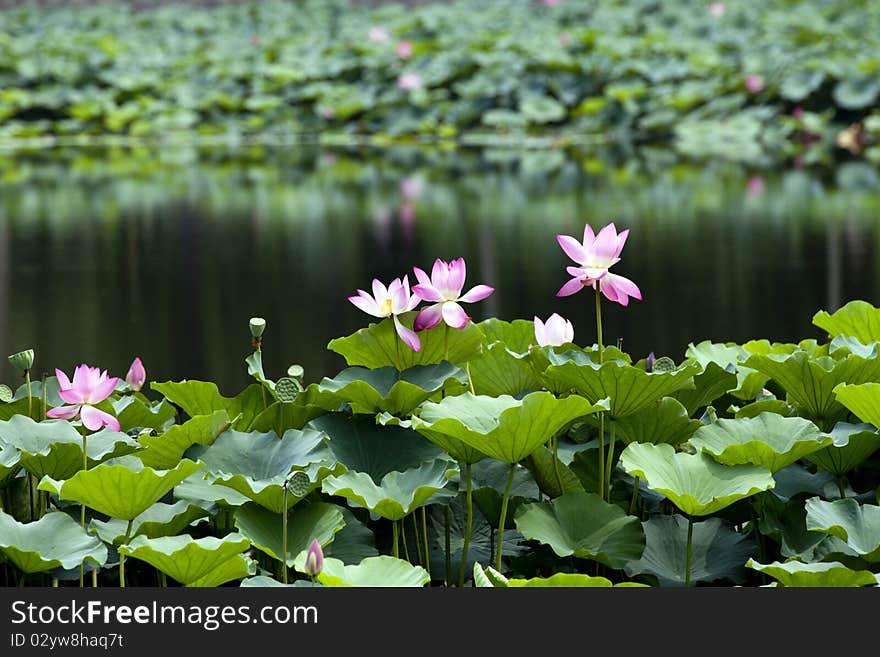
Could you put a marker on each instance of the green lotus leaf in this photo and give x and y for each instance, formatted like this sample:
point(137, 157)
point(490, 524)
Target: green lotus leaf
point(863, 400)
point(263, 581)
point(663, 421)
point(695, 483)
point(809, 382)
point(388, 390)
point(489, 479)
point(629, 388)
point(9, 465)
point(203, 398)
point(281, 416)
point(54, 447)
point(584, 526)
point(354, 542)
point(776, 406)
point(165, 450)
point(200, 490)
point(553, 477)
point(135, 412)
point(796, 480)
point(54, 541)
point(381, 571)
point(203, 562)
point(785, 521)
point(123, 488)
point(729, 356)
point(498, 371)
point(264, 529)
point(378, 345)
point(364, 446)
point(257, 464)
point(709, 385)
point(159, 520)
point(398, 493)
point(853, 445)
point(488, 577)
point(568, 580)
point(841, 345)
point(504, 428)
point(717, 551)
point(517, 335)
point(458, 450)
point(824, 574)
point(255, 369)
point(857, 319)
point(856, 524)
point(769, 440)
point(857, 92)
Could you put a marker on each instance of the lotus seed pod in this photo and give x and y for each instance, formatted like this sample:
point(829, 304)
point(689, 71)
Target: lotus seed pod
point(664, 364)
point(286, 389)
point(258, 325)
point(23, 360)
point(296, 371)
point(298, 483)
point(5, 393)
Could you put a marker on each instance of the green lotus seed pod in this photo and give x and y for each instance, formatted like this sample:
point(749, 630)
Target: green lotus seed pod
point(23, 360)
point(296, 371)
point(5, 393)
point(664, 364)
point(298, 483)
point(286, 389)
point(258, 325)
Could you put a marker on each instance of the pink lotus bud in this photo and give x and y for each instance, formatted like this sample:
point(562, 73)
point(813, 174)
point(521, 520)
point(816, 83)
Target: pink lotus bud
point(137, 375)
point(798, 112)
point(555, 332)
point(409, 81)
point(717, 9)
point(649, 362)
point(378, 34)
point(755, 186)
point(754, 83)
point(314, 559)
point(404, 49)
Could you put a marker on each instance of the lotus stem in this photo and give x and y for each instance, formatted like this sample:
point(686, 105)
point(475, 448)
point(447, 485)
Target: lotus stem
point(446, 342)
point(27, 378)
point(425, 539)
point(403, 536)
point(609, 462)
point(446, 514)
point(841, 487)
point(602, 455)
point(283, 533)
point(503, 519)
point(82, 507)
point(54, 582)
point(394, 533)
point(687, 558)
point(469, 523)
point(555, 442)
point(467, 370)
point(635, 497)
point(30, 486)
point(95, 578)
point(599, 320)
point(43, 394)
point(163, 581)
point(122, 557)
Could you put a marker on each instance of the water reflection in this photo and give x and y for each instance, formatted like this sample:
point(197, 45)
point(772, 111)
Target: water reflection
point(104, 256)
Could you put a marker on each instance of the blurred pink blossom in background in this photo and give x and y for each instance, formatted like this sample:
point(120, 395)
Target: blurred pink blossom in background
point(378, 35)
point(409, 81)
point(404, 49)
point(754, 83)
point(717, 9)
point(755, 186)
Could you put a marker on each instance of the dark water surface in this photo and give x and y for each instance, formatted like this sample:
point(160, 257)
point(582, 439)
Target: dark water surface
point(108, 255)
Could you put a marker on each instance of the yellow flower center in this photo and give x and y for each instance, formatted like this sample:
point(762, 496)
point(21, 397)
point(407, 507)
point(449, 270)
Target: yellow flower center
point(386, 306)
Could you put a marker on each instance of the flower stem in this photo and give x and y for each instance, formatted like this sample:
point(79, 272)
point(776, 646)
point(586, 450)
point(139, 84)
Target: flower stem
point(687, 561)
point(425, 539)
point(395, 552)
point(284, 534)
point(469, 523)
point(446, 517)
point(555, 441)
point(27, 378)
point(609, 462)
point(635, 497)
point(503, 519)
point(445, 341)
point(599, 319)
point(467, 370)
point(82, 508)
point(403, 536)
point(122, 557)
point(43, 391)
point(840, 487)
point(602, 455)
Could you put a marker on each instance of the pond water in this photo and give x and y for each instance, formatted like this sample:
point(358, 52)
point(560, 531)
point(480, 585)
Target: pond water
point(105, 255)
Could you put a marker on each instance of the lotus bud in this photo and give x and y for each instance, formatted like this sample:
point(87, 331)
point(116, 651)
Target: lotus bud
point(23, 360)
point(314, 559)
point(649, 362)
point(257, 325)
point(137, 375)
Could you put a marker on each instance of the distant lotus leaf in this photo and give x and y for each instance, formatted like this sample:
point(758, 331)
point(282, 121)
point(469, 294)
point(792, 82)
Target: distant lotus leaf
point(159, 520)
point(381, 571)
point(9, 465)
point(378, 345)
point(695, 483)
point(257, 464)
point(785, 522)
point(858, 525)
point(504, 428)
point(262, 581)
point(629, 388)
point(123, 488)
point(398, 493)
point(201, 490)
point(717, 551)
point(709, 385)
point(54, 541)
point(857, 92)
point(585, 526)
point(166, 449)
point(132, 412)
point(313, 520)
point(730, 357)
point(663, 421)
point(203, 398)
point(386, 389)
point(814, 575)
point(853, 445)
point(857, 319)
point(203, 562)
point(54, 447)
point(768, 439)
point(568, 580)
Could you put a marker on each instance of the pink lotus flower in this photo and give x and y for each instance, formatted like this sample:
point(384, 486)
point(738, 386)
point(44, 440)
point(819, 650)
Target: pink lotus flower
point(443, 290)
point(391, 302)
point(409, 81)
point(314, 559)
point(137, 375)
point(378, 34)
point(90, 386)
point(555, 332)
point(597, 252)
point(717, 9)
point(754, 83)
point(404, 49)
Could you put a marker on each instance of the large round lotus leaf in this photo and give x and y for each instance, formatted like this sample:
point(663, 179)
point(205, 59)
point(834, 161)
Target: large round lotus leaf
point(54, 541)
point(858, 319)
point(663, 421)
point(200, 490)
point(135, 412)
point(461, 452)
point(364, 446)
point(504, 428)
point(628, 387)
point(165, 450)
point(568, 580)
point(264, 581)
point(500, 371)
point(314, 520)
point(54, 447)
point(354, 542)
point(858, 525)
point(9, 465)
point(768, 439)
point(785, 522)
point(203, 562)
point(203, 398)
point(862, 399)
point(776, 406)
point(822, 574)
point(710, 384)
point(717, 551)
point(730, 357)
point(389, 390)
point(381, 571)
point(397, 493)
point(853, 444)
point(809, 381)
point(585, 526)
point(695, 483)
point(257, 464)
point(378, 345)
point(280, 416)
point(123, 488)
point(159, 520)
point(553, 477)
